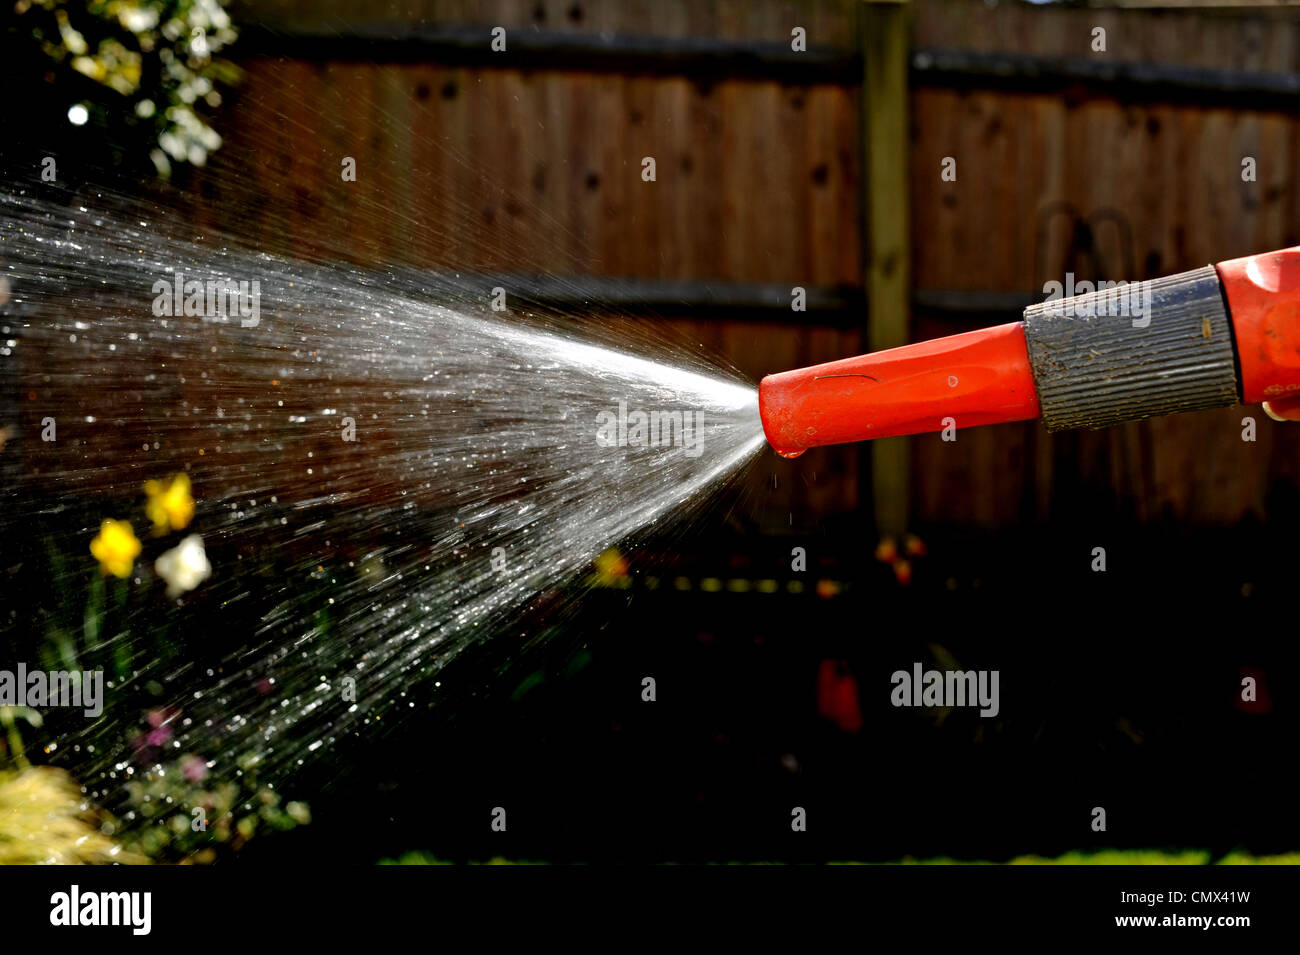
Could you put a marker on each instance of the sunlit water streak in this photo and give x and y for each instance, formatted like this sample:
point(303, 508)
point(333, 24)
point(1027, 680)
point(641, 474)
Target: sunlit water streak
point(474, 431)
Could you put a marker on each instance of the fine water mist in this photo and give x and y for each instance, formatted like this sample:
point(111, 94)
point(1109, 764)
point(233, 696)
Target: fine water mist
point(385, 470)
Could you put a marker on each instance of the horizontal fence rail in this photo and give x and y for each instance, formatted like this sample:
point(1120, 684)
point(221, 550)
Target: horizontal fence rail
point(704, 57)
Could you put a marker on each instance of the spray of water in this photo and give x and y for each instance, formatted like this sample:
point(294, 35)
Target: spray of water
point(386, 471)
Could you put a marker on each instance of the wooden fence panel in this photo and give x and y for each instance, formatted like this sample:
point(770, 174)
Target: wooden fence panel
point(506, 169)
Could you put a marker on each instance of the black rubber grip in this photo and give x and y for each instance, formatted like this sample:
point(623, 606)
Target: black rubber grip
point(1098, 360)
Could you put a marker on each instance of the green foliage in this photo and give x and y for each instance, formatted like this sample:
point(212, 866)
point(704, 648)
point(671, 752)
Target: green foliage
point(97, 621)
point(13, 740)
point(427, 858)
point(147, 67)
point(229, 812)
point(1127, 857)
point(44, 820)
point(1104, 857)
point(1242, 858)
point(416, 858)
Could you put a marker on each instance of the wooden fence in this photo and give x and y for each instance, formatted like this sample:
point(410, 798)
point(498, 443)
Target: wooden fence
point(1121, 164)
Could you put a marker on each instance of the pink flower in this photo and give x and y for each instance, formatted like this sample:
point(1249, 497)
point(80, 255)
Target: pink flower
point(161, 716)
point(193, 768)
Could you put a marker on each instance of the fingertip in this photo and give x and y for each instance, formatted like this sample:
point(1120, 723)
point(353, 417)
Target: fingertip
point(1285, 409)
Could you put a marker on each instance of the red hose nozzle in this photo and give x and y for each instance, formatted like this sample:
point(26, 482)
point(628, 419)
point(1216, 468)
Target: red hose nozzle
point(980, 377)
point(1200, 339)
point(1263, 293)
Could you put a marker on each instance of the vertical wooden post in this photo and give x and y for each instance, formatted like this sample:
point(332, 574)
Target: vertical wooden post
point(886, 246)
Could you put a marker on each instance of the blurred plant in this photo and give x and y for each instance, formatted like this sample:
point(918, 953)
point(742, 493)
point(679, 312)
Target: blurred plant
point(1104, 857)
point(44, 819)
point(172, 807)
point(426, 858)
point(187, 816)
point(611, 568)
point(9, 716)
point(152, 64)
point(1126, 857)
point(107, 620)
point(887, 552)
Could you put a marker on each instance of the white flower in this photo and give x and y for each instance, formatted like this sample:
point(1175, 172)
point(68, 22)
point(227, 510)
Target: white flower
point(137, 19)
point(184, 567)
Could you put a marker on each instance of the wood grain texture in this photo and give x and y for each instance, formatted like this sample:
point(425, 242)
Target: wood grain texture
point(519, 170)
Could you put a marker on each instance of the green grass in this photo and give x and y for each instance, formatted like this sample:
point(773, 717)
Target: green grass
point(1103, 857)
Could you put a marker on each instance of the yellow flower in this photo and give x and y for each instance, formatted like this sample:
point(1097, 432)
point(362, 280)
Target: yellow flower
point(115, 547)
point(170, 505)
point(611, 566)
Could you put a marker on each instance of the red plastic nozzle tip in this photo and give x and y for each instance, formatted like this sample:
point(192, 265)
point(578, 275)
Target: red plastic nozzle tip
point(1263, 293)
point(975, 378)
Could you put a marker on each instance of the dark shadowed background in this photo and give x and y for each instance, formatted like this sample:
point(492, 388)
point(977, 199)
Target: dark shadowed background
point(818, 169)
